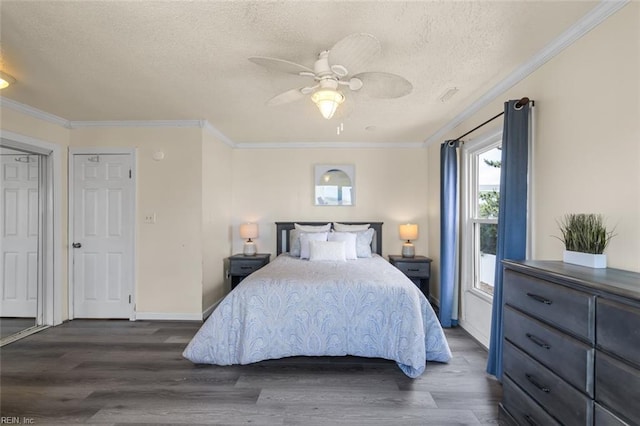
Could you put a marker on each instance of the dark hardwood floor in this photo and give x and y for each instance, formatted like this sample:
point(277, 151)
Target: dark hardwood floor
point(124, 373)
point(10, 326)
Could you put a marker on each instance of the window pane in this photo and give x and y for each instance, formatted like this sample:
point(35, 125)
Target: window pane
point(486, 261)
point(489, 183)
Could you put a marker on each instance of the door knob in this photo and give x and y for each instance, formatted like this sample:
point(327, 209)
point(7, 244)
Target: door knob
point(76, 245)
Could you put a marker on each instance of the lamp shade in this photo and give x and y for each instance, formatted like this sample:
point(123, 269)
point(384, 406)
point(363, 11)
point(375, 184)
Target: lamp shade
point(409, 231)
point(249, 230)
point(327, 101)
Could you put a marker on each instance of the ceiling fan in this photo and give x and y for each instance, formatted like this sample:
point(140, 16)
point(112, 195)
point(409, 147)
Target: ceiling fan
point(341, 67)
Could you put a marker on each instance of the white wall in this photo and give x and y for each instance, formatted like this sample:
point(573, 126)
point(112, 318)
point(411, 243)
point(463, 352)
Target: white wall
point(169, 253)
point(588, 137)
point(587, 140)
point(216, 217)
point(271, 185)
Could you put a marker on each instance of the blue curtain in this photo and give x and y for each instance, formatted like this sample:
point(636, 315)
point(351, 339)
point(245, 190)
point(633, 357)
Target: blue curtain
point(512, 216)
point(448, 231)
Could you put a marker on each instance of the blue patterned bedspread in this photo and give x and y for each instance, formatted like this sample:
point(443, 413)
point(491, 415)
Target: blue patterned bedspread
point(294, 307)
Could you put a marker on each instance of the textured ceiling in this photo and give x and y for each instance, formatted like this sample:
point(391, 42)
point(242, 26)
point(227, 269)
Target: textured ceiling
point(187, 60)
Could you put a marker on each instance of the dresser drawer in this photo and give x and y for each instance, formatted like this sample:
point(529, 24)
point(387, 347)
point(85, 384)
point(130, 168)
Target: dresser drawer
point(618, 329)
point(522, 408)
point(618, 387)
point(244, 267)
point(568, 357)
point(413, 269)
point(560, 399)
point(567, 309)
point(604, 417)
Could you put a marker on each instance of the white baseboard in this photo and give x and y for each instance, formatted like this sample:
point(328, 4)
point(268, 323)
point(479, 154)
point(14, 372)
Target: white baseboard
point(167, 316)
point(478, 335)
point(171, 316)
point(210, 309)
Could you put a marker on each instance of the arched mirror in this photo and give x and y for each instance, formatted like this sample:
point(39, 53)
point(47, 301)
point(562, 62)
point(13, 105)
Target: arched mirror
point(334, 185)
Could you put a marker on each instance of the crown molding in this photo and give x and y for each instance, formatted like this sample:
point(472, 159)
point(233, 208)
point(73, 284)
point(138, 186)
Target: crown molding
point(202, 124)
point(136, 123)
point(333, 145)
point(33, 112)
point(592, 19)
point(217, 133)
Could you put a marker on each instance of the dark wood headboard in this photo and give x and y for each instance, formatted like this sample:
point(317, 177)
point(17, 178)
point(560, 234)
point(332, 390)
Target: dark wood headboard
point(283, 229)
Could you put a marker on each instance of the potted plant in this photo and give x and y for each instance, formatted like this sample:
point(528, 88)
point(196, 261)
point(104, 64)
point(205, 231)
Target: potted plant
point(585, 236)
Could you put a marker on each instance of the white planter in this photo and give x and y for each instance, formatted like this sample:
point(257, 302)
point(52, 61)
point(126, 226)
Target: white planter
point(585, 259)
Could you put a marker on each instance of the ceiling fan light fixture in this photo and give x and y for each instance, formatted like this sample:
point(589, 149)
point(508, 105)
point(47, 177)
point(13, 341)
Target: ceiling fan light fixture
point(327, 101)
point(6, 80)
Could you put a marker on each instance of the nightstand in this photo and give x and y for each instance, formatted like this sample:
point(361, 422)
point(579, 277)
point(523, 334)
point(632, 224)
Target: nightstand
point(417, 268)
point(240, 266)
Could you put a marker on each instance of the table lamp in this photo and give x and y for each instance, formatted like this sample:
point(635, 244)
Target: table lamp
point(408, 232)
point(249, 231)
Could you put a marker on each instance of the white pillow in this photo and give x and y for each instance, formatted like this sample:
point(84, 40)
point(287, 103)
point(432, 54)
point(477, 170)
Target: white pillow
point(294, 235)
point(306, 237)
point(349, 239)
point(327, 250)
point(343, 227)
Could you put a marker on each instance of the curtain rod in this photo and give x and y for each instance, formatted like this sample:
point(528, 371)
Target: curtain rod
point(522, 102)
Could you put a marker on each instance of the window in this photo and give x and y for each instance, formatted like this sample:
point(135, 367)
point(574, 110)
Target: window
point(481, 196)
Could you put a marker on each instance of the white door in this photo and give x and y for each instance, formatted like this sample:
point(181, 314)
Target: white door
point(102, 243)
point(20, 219)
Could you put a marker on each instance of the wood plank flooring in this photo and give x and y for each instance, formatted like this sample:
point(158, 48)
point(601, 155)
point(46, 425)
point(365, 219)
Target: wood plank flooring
point(10, 326)
point(132, 373)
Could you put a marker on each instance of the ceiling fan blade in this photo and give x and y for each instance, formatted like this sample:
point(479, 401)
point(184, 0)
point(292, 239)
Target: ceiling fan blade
point(281, 65)
point(309, 89)
point(286, 97)
point(354, 52)
point(384, 85)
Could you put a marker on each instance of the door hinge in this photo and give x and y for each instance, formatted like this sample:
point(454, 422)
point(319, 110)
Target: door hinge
point(129, 173)
point(129, 299)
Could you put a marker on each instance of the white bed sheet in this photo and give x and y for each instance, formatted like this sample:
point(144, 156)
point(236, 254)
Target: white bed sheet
point(294, 307)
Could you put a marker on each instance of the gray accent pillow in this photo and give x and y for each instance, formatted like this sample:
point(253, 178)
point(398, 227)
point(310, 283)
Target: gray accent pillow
point(363, 242)
point(294, 236)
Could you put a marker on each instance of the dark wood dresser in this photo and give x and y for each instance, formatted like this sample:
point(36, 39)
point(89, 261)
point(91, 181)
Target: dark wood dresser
point(571, 352)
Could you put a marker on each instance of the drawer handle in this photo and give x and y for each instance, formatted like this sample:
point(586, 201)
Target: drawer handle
point(538, 385)
point(538, 341)
point(530, 420)
point(246, 267)
point(413, 270)
point(539, 298)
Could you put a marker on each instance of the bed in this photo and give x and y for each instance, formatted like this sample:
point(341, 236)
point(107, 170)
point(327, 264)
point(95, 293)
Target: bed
point(323, 307)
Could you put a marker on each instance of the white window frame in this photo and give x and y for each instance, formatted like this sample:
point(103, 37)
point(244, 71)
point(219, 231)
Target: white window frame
point(468, 199)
